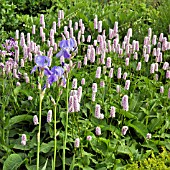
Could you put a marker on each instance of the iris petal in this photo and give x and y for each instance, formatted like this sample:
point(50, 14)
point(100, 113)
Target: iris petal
point(59, 54)
point(66, 54)
point(33, 70)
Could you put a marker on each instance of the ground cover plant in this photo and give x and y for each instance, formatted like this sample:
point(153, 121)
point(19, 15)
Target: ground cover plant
point(77, 96)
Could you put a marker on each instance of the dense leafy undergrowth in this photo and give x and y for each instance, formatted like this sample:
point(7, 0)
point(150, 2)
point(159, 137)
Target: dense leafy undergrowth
point(75, 95)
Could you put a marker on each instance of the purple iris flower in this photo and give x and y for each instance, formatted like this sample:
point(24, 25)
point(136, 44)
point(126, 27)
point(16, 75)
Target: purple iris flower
point(43, 62)
point(66, 46)
point(54, 74)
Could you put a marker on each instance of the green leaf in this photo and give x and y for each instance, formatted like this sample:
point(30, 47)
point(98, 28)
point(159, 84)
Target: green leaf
point(45, 147)
point(139, 127)
point(155, 123)
point(13, 162)
point(20, 118)
point(72, 163)
point(45, 165)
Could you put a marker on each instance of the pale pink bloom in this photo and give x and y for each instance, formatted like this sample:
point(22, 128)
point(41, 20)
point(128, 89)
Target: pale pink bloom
point(109, 62)
point(89, 138)
point(138, 66)
point(127, 61)
point(152, 68)
point(102, 83)
point(77, 143)
point(74, 84)
point(148, 136)
point(49, 116)
point(98, 72)
point(161, 89)
point(127, 84)
point(168, 74)
point(94, 87)
point(93, 96)
point(97, 111)
point(118, 88)
point(83, 81)
point(112, 111)
point(98, 131)
point(156, 66)
point(119, 73)
point(124, 130)
point(125, 103)
point(111, 73)
point(23, 139)
point(35, 120)
point(125, 75)
point(165, 66)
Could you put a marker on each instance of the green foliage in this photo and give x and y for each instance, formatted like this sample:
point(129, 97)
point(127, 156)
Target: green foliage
point(155, 162)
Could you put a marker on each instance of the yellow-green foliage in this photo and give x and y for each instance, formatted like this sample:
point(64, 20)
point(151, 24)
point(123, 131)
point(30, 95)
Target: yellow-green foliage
point(159, 162)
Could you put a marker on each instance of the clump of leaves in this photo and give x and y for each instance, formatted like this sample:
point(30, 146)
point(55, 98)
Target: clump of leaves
point(156, 162)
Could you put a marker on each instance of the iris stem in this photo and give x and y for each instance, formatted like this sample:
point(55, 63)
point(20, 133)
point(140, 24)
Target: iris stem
point(55, 129)
point(41, 95)
point(65, 138)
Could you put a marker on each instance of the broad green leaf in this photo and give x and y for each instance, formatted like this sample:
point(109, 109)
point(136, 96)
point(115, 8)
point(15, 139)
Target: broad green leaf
point(155, 123)
point(13, 162)
point(139, 127)
point(20, 118)
point(46, 147)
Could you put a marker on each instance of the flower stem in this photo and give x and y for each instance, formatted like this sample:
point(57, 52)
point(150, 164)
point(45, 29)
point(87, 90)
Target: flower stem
point(55, 129)
point(39, 130)
point(65, 139)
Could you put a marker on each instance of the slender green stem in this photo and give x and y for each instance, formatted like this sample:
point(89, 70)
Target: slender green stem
point(65, 139)
point(55, 129)
point(55, 140)
point(39, 130)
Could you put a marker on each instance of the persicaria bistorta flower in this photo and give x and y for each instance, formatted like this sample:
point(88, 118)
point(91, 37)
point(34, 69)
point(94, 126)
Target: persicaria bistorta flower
point(66, 46)
point(148, 136)
point(98, 131)
point(35, 120)
point(94, 87)
point(77, 143)
point(89, 138)
point(124, 130)
point(49, 116)
point(127, 84)
point(112, 111)
point(23, 139)
point(162, 89)
point(125, 103)
point(30, 97)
